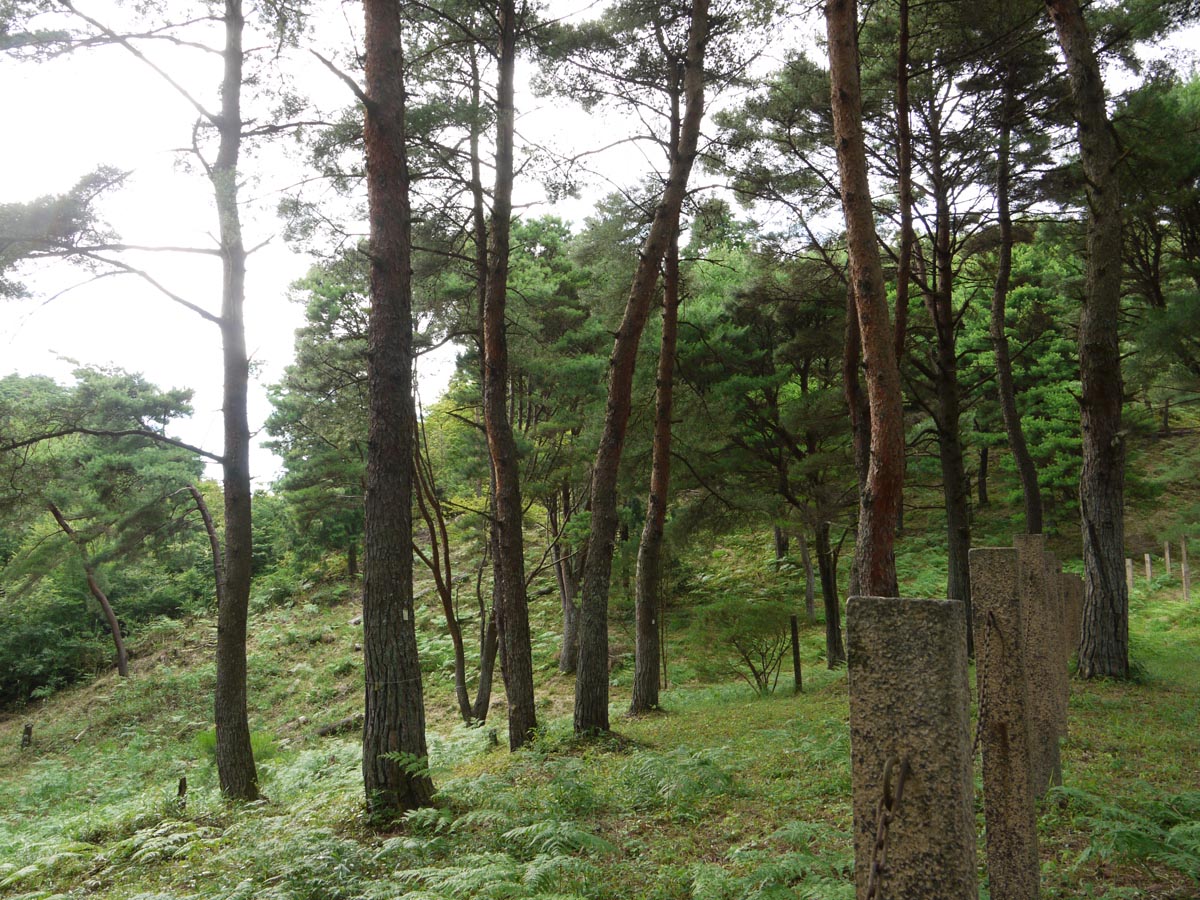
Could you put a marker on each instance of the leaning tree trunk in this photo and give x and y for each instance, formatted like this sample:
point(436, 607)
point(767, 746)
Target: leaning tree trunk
point(1104, 648)
point(591, 682)
point(214, 543)
point(1026, 470)
point(489, 647)
point(512, 610)
point(441, 567)
point(94, 586)
point(649, 563)
point(235, 759)
point(879, 502)
point(394, 751)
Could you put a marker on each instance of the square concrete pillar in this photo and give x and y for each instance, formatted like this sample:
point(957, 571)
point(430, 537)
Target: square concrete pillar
point(1042, 622)
point(1012, 850)
point(910, 711)
point(1129, 574)
point(1149, 570)
point(1167, 557)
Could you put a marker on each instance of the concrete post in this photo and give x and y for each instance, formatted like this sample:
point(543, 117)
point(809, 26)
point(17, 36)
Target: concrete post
point(1043, 658)
point(910, 706)
point(1129, 574)
point(1149, 570)
point(1167, 557)
point(1012, 851)
point(1073, 601)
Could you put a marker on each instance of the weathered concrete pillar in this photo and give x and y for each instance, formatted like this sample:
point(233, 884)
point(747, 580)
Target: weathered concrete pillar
point(1167, 557)
point(910, 718)
point(1043, 658)
point(1008, 806)
point(1073, 601)
point(1149, 570)
point(1129, 574)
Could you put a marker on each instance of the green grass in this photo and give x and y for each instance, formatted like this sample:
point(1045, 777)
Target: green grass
point(723, 795)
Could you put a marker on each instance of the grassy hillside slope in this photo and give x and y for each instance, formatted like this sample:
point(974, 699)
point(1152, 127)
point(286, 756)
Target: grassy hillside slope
point(724, 795)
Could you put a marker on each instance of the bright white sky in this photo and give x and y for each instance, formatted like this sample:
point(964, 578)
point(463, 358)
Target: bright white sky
point(105, 107)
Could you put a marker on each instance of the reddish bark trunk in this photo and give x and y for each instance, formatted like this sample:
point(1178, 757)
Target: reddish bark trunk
point(880, 499)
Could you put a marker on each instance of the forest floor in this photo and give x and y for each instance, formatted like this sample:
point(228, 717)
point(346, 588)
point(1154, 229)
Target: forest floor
point(724, 795)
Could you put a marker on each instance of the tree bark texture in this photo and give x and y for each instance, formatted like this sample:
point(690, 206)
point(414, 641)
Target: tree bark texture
point(591, 682)
point(880, 499)
point(235, 759)
point(512, 610)
point(394, 751)
point(650, 549)
point(1104, 649)
point(1031, 491)
point(94, 586)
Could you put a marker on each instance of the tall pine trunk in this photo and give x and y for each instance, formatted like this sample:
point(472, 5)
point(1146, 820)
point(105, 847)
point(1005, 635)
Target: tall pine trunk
point(904, 181)
point(235, 759)
point(947, 408)
point(591, 682)
point(394, 751)
point(879, 501)
point(650, 550)
point(1031, 491)
point(512, 610)
point(1104, 648)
